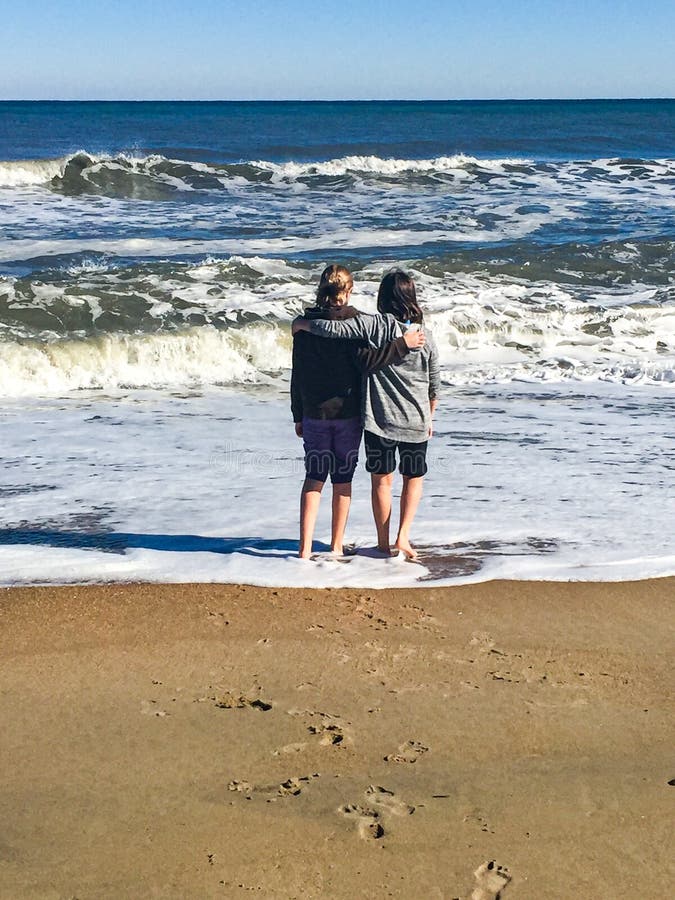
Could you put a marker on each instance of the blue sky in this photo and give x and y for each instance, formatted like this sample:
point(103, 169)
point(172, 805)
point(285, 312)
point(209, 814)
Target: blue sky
point(261, 49)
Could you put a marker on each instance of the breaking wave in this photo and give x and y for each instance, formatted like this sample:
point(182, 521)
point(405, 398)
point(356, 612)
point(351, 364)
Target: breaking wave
point(196, 356)
point(84, 169)
point(157, 177)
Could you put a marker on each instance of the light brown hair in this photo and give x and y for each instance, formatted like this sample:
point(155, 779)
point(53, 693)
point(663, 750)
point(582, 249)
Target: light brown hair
point(334, 286)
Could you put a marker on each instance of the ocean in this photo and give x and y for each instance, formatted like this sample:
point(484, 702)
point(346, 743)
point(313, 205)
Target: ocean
point(153, 255)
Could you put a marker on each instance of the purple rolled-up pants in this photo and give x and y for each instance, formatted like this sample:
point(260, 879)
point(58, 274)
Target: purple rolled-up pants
point(331, 448)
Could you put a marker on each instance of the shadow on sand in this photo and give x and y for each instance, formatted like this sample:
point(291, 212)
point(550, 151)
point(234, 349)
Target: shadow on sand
point(120, 542)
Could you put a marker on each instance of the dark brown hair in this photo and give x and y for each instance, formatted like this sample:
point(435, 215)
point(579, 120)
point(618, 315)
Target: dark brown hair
point(334, 285)
point(397, 295)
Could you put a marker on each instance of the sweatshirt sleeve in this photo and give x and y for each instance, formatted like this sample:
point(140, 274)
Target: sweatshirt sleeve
point(377, 330)
point(371, 359)
point(296, 395)
point(434, 367)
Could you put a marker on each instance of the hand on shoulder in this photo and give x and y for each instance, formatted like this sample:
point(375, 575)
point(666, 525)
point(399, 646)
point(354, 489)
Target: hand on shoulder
point(414, 338)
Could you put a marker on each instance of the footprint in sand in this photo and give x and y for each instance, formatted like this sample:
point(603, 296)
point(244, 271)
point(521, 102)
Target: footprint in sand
point(330, 733)
point(388, 801)
point(329, 729)
point(289, 749)
point(228, 700)
point(367, 821)
point(409, 752)
point(241, 787)
point(477, 817)
point(381, 801)
point(491, 879)
point(291, 787)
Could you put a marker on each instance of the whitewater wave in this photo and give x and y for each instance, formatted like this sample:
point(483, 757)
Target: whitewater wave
point(152, 177)
point(21, 173)
point(159, 177)
point(375, 165)
point(184, 175)
point(197, 356)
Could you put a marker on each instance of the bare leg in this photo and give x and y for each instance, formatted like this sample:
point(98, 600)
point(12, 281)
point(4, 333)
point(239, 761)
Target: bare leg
point(342, 498)
point(410, 500)
point(381, 497)
point(309, 510)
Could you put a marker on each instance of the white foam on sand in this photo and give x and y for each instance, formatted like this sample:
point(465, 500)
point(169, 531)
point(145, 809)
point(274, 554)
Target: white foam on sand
point(559, 482)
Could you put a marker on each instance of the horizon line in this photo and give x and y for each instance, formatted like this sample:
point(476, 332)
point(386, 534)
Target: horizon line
point(333, 100)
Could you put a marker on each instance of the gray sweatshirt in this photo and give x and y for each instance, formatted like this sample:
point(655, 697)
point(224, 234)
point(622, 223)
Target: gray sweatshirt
point(396, 398)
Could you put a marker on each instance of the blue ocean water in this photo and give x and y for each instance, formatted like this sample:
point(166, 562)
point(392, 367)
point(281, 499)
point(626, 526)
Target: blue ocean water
point(144, 218)
point(304, 131)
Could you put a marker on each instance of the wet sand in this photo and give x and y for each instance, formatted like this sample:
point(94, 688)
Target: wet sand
point(198, 741)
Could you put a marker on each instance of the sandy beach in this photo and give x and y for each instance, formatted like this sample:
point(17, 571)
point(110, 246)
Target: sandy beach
point(193, 741)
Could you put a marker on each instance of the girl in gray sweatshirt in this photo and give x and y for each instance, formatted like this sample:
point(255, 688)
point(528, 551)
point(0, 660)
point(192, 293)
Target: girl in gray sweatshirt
point(397, 404)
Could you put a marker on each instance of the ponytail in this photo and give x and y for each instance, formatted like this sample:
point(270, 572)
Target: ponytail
point(334, 286)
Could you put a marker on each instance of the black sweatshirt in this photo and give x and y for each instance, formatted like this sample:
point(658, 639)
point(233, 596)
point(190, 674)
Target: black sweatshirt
point(327, 376)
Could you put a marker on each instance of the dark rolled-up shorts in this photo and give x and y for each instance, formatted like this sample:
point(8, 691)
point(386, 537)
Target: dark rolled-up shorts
point(381, 456)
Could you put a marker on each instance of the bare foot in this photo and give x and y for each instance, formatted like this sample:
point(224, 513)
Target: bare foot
point(403, 544)
point(337, 549)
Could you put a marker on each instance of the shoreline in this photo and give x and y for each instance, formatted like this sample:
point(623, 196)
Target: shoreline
point(428, 584)
point(211, 740)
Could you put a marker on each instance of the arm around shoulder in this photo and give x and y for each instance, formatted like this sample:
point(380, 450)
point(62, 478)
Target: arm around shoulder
point(377, 330)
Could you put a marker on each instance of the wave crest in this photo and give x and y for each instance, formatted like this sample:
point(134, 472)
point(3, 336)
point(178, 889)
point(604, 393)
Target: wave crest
point(157, 177)
point(196, 356)
point(184, 175)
